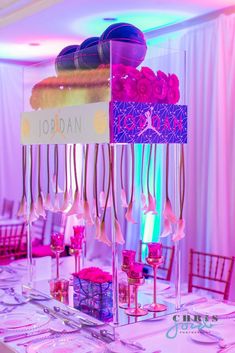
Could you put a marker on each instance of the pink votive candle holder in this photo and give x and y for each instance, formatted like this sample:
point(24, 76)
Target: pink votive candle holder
point(76, 243)
point(154, 250)
point(136, 270)
point(79, 231)
point(128, 257)
point(57, 242)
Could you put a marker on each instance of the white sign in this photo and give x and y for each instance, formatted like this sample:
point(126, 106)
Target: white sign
point(88, 123)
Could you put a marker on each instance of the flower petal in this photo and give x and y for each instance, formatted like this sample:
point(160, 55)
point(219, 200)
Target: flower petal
point(103, 236)
point(76, 208)
point(87, 213)
point(22, 212)
point(119, 235)
point(167, 228)
point(168, 213)
point(179, 232)
point(128, 214)
point(47, 203)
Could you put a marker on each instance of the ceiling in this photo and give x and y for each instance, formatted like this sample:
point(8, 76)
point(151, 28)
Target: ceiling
point(38, 29)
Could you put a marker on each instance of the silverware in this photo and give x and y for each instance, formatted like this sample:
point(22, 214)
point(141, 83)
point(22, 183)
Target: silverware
point(27, 334)
point(51, 336)
point(82, 320)
point(226, 347)
point(125, 342)
point(57, 315)
point(211, 334)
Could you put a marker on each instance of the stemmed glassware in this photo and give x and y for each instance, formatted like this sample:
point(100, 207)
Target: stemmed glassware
point(128, 258)
point(57, 246)
point(155, 259)
point(58, 286)
point(136, 278)
point(76, 245)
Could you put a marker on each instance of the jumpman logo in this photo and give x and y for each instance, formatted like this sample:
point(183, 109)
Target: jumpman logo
point(57, 128)
point(149, 125)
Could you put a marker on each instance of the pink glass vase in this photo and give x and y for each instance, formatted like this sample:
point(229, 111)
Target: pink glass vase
point(155, 259)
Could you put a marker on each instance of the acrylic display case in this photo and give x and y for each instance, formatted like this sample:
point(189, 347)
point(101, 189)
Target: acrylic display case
point(109, 126)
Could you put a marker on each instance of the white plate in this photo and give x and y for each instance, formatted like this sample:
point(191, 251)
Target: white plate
point(199, 337)
point(218, 309)
point(67, 344)
point(20, 265)
point(22, 321)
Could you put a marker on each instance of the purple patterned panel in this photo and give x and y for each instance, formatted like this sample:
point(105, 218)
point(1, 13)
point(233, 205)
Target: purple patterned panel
point(148, 123)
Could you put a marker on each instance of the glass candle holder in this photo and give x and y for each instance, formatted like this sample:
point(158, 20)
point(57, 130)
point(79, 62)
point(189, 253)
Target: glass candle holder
point(79, 231)
point(57, 246)
point(154, 250)
point(59, 288)
point(155, 259)
point(128, 258)
point(136, 278)
point(76, 249)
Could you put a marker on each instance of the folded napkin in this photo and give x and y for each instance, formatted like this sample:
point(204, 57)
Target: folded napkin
point(185, 298)
point(148, 287)
point(219, 309)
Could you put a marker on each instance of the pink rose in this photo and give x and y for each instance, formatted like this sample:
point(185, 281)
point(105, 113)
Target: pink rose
point(131, 89)
point(144, 89)
point(118, 89)
point(133, 73)
point(148, 73)
point(119, 70)
point(162, 76)
point(173, 81)
point(173, 95)
point(159, 90)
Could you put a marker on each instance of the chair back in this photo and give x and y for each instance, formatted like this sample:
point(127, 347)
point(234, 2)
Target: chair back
point(214, 271)
point(7, 208)
point(38, 230)
point(12, 240)
point(165, 269)
point(58, 222)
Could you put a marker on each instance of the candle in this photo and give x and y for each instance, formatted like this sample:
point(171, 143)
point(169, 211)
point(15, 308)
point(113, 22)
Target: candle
point(136, 270)
point(154, 250)
point(128, 257)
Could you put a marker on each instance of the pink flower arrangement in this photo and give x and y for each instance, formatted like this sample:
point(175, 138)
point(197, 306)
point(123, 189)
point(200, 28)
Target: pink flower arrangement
point(94, 274)
point(130, 84)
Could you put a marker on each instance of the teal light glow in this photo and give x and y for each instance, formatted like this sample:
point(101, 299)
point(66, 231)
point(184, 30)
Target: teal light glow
point(145, 20)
